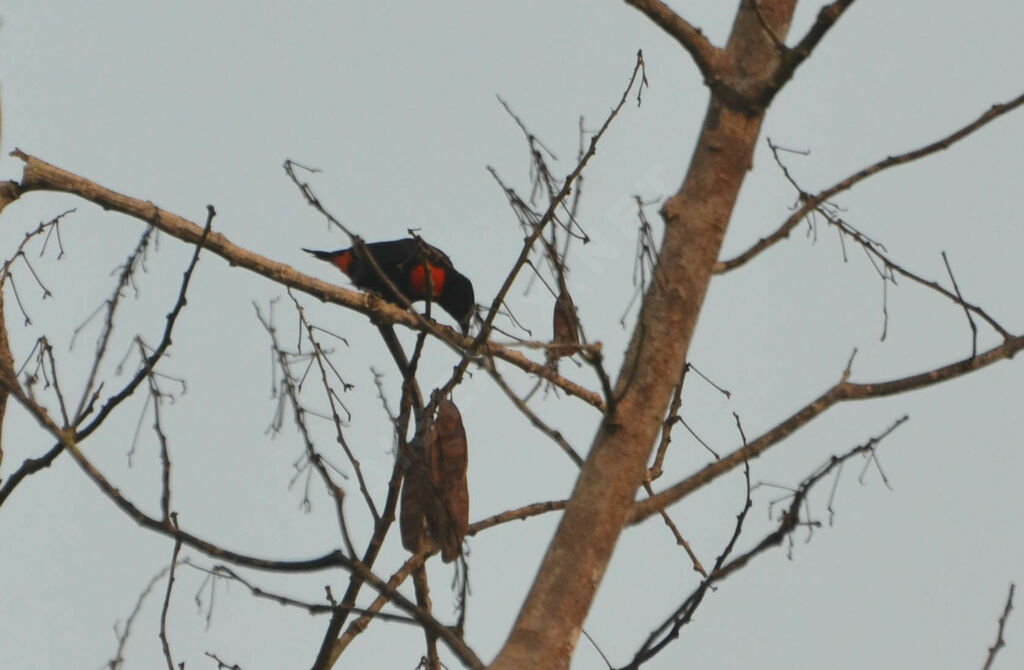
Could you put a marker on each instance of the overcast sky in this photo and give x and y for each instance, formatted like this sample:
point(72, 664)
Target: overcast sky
point(195, 103)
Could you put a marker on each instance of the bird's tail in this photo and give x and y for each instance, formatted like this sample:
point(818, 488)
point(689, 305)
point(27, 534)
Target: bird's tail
point(322, 255)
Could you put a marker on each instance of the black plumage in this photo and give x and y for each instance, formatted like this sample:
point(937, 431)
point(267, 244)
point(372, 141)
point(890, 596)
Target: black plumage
point(414, 267)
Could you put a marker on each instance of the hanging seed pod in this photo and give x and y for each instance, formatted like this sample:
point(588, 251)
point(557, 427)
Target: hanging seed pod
point(565, 326)
point(417, 493)
point(447, 454)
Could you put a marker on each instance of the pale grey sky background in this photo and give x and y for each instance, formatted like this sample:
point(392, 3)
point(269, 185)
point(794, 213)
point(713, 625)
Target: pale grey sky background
point(190, 103)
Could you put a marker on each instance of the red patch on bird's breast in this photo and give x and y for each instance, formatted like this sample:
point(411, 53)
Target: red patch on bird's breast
point(418, 280)
point(343, 261)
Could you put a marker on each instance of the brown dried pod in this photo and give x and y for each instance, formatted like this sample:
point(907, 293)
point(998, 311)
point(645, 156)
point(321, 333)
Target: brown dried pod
point(565, 326)
point(417, 494)
point(448, 458)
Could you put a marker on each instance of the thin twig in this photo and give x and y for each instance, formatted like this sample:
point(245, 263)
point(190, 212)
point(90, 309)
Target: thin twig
point(419, 580)
point(224, 572)
point(967, 311)
point(538, 230)
point(167, 598)
point(669, 630)
point(289, 386)
point(842, 391)
point(532, 417)
point(33, 465)
point(367, 615)
point(117, 662)
point(1000, 642)
point(671, 418)
point(812, 202)
point(680, 540)
point(322, 362)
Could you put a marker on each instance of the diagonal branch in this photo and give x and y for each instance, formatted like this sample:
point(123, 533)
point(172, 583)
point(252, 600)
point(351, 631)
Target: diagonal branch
point(793, 58)
point(33, 465)
point(518, 514)
point(531, 416)
point(369, 613)
point(705, 54)
point(827, 17)
point(811, 202)
point(167, 599)
point(419, 578)
point(1000, 642)
point(788, 522)
point(41, 176)
point(221, 571)
point(117, 662)
point(555, 202)
point(842, 391)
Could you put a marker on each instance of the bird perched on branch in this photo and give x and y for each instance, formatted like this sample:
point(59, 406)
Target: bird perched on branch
point(406, 262)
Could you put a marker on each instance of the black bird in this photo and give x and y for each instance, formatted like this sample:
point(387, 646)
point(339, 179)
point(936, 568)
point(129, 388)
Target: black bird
point(405, 262)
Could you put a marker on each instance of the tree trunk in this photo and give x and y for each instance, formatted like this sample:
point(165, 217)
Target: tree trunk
point(548, 627)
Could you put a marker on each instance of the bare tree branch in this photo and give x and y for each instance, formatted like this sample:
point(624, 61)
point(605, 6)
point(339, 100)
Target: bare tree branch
point(117, 662)
point(419, 577)
point(531, 416)
point(323, 364)
point(844, 390)
point(793, 58)
point(167, 598)
point(41, 176)
point(289, 388)
point(518, 514)
point(671, 419)
point(33, 465)
point(705, 54)
point(1000, 642)
point(669, 630)
point(360, 624)
point(967, 311)
point(9, 189)
point(222, 664)
point(412, 399)
point(68, 439)
point(225, 572)
point(126, 277)
point(680, 540)
point(788, 522)
point(555, 202)
point(332, 559)
point(809, 203)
